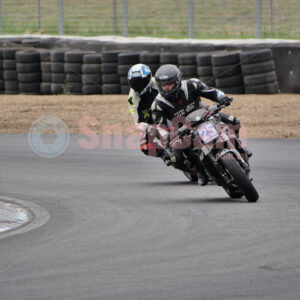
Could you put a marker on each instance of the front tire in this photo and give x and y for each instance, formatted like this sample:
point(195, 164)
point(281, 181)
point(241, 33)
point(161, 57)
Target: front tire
point(239, 177)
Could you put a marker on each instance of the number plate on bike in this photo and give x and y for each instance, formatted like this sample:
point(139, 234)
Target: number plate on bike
point(207, 132)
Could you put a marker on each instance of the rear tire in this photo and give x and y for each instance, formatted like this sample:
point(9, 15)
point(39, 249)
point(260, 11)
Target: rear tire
point(240, 178)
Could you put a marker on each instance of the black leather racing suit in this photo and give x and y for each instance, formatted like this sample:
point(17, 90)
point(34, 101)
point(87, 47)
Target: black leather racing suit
point(187, 100)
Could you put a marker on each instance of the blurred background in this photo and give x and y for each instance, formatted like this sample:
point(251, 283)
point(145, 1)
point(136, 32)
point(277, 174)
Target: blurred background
point(199, 19)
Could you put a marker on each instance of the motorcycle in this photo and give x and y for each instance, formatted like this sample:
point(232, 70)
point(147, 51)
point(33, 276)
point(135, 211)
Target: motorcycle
point(211, 146)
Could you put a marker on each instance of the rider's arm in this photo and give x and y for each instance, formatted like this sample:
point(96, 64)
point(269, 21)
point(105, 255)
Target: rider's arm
point(207, 92)
point(160, 121)
point(133, 104)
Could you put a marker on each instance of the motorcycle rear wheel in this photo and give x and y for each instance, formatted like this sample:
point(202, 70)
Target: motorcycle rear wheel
point(240, 178)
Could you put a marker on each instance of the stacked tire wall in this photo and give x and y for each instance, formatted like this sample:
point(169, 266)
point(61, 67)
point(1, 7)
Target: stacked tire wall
point(73, 69)
point(11, 84)
point(227, 72)
point(187, 65)
point(285, 61)
point(204, 68)
point(259, 72)
point(91, 74)
point(28, 66)
point(58, 75)
point(110, 76)
point(126, 61)
point(46, 72)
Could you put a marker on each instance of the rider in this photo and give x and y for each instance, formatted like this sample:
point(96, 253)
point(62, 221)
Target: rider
point(178, 98)
point(143, 91)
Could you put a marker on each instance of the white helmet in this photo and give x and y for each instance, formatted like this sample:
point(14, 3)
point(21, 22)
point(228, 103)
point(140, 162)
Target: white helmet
point(139, 78)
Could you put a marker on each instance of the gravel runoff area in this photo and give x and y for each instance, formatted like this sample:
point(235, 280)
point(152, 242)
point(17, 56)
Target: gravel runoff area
point(262, 116)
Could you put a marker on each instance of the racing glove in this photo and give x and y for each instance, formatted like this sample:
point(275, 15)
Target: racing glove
point(225, 100)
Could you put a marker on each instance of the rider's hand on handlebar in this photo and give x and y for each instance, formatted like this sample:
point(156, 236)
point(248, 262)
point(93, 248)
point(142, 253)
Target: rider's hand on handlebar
point(226, 100)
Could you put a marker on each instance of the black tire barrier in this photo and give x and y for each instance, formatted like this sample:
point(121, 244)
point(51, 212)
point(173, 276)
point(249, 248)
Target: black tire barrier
point(45, 55)
point(57, 88)
point(204, 59)
point(11, 85)
point(73, 68)
point(110, 78)
point(58, 78)
point(234, 89)
point(10, 53)
point(92, 59)
point(29, 77)
point(9, 75)
point(128, 58)
point(110, 56)
point(226, 71)
point(236, 80)
point(73, 88)
point(256, 56)
point(70, 77)
point(91, 74)
point(259, 72)
point(9, 64)
point(204, 71)
point(153, 68)
point(114, 88)
point(30, 87)
point(45, 88)
point(75, 56)
point(57, 67)
point(91, 69)
point(261, 78)
point(208, 80)
point(89, 79)
point(256, 68)
point(168, 58)
point(123, 80)
point(187, 59)
point(268, 88)
point(57, 56)
point(125, 89)
point(188, 70)
point(149, 58)
point(91, 89)
point(27, 56)
point(225, 58)
point(11, 92)
point(123, 70)
point(109, 68)
point(46, 67)
point(28, 67)
point(47, 77)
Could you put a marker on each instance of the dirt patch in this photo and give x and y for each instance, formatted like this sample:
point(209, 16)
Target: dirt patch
point(263, 116)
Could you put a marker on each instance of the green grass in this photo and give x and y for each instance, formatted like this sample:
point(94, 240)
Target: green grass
point(154, 18)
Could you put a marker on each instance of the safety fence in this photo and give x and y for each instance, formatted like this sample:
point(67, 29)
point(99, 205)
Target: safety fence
point(197, 19)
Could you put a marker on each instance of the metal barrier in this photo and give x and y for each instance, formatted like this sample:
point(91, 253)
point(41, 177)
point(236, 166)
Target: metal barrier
point(197, 19)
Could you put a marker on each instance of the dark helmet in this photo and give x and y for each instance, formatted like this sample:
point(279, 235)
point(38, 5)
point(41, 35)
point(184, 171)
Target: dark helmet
point(139, 78)
point(165, 75)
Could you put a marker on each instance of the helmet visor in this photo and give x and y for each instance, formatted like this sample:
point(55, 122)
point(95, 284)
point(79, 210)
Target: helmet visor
point(139, 84)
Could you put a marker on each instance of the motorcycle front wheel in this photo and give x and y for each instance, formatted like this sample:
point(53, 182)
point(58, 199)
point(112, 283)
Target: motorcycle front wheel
point(240, 178)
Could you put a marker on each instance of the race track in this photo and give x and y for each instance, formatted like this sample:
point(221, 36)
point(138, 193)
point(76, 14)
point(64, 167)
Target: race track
point(124, 226)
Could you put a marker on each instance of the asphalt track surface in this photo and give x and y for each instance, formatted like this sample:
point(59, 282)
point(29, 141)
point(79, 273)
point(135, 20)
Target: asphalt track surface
point(124, 226)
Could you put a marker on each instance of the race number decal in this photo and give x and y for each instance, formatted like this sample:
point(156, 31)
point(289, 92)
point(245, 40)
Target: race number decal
point(207, 132)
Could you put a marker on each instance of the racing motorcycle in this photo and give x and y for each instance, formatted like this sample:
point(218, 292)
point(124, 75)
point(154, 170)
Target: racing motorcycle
point(211, 146)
